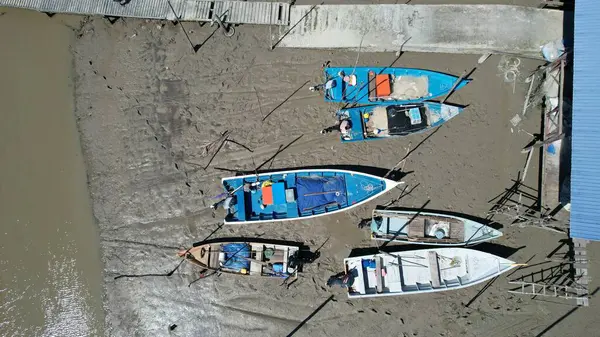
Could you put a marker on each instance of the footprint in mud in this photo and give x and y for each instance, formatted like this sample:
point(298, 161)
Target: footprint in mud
point(373, 310)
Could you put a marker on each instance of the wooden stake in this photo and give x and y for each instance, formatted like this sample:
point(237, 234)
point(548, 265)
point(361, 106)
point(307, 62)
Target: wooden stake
point(483, 58)
point(462, 76)
point(214, 154)
point(403, 160)
point(542, 143)
point(526, 105)
point(560, 100)
point(529, 155)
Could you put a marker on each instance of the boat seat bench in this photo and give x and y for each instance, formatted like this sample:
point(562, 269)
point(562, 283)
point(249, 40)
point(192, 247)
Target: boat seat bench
point(213, 257)
point(255, 267)
point(434, 269)
point(241, 204)
point(378, 274)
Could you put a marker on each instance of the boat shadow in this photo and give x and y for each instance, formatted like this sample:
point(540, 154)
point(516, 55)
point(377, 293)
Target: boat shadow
point(395, 175)
point(486, 247)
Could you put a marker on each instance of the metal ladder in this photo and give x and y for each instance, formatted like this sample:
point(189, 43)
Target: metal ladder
point(548, 290)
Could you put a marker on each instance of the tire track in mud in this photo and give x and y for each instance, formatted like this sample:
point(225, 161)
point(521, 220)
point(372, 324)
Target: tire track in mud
point(267, 317)
point(510, 326)
point(231, 73)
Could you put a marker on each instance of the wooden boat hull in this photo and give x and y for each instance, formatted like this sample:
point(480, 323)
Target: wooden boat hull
point(300, 194)
point(259, 259)
point(421, 271)
point(386, 85)
point(377, 122)
point(420, 228)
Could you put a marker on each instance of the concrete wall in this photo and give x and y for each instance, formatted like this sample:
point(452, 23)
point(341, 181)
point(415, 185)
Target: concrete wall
point(431, 28)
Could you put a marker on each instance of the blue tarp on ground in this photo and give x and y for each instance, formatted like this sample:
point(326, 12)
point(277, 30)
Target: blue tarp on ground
point(236, 255)
point(316, 191)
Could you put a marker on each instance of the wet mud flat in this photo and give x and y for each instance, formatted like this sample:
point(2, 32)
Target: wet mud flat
point(151, 114)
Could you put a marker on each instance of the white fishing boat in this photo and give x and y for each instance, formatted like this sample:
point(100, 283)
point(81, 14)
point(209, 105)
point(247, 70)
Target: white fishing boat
point(429, 228)
point(421, 271)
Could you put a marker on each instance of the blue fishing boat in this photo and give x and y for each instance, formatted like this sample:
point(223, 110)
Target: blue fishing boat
point(386, 121)
point(384, 85)
point(299, 194)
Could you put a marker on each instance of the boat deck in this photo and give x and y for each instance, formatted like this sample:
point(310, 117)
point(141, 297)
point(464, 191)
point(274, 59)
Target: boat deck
point(391, 86)
point(213, 256)
point(406, 227)
point(420, 226)
point(421, 271)
point(284, 200)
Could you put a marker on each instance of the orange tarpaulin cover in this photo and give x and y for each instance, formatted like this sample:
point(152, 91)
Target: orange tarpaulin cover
point(267, 195)
point(383, 87)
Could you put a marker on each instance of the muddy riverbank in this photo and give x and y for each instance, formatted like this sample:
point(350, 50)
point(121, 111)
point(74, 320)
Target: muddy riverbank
point(50, 273)
point(150, 112)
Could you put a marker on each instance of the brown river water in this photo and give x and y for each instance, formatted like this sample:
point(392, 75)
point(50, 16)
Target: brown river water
point(50, 271)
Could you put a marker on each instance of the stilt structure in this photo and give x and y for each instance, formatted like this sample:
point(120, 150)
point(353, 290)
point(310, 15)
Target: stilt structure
point(581, 270)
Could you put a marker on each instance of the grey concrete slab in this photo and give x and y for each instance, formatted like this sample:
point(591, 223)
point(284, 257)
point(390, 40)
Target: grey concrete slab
point(431, 28)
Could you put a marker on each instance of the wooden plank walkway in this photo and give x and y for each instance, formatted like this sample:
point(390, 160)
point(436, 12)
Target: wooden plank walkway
point(239, 12)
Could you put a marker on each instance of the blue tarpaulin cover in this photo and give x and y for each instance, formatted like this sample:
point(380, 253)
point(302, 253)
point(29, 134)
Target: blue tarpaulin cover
point(236, 255)
point(317, 191)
